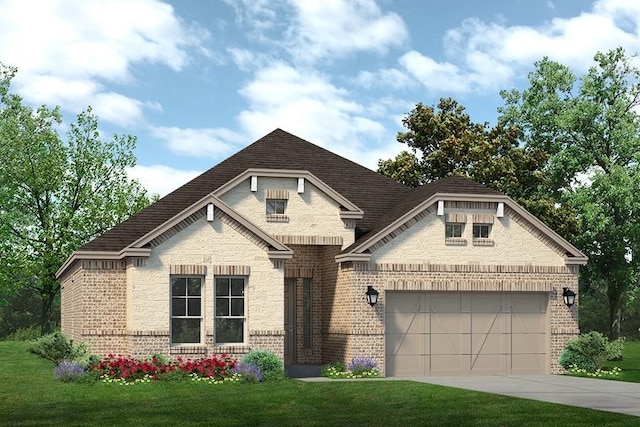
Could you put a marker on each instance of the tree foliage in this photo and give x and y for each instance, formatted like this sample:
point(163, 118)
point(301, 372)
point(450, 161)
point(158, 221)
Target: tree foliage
point(56, 194)
point(445, 141)
point(590, 128)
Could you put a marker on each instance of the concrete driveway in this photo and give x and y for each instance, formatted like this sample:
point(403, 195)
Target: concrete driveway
point(604, 395)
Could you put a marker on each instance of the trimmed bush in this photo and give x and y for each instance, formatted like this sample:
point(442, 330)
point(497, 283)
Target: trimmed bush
point(57, 347)
point(569, 358)
point(270, 365)
point(596, 347)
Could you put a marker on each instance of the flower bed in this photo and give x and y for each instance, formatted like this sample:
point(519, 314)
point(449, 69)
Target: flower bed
point(359, 367)
point(128, 370)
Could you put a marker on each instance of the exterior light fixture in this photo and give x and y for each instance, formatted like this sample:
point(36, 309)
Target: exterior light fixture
point(568, 296)
point(372, 296)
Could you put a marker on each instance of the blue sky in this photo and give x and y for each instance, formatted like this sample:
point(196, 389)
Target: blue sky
point(198, 80)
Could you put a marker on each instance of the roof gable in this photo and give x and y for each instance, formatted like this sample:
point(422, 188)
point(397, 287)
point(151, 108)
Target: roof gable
point(371, 192)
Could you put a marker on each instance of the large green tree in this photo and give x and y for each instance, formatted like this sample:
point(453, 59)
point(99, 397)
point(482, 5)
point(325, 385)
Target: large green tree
point(55, 194)
point(590, 128)
point(445, 141)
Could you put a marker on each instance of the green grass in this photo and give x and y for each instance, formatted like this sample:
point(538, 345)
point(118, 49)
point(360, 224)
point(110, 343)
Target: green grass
point(30, 397)
point(630, 363)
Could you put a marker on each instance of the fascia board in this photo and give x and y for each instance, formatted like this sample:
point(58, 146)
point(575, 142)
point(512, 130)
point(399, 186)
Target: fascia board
point(352, 212)
point(200, 204)
point(102, 255)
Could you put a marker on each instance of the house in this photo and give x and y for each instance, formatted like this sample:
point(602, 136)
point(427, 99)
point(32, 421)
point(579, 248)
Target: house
point(277, 246)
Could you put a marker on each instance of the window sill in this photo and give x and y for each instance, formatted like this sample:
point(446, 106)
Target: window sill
point(187, 349)
point(277, 218)
point(455, 241)
point(483, 242)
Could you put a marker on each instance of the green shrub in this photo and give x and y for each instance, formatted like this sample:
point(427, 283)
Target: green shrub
point(270, 365)
point(57, 347)
point(570, 358)
point(596, 347)
point(28, 333)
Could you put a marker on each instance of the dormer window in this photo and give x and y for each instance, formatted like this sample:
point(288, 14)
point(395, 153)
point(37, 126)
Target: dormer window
point(453, 230)
point(276, 206)
point(481, 231)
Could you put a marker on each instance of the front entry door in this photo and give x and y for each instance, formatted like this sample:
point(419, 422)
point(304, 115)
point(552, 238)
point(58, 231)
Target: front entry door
point(290, 320)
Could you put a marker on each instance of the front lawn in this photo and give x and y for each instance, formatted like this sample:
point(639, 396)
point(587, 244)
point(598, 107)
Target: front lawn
point(30, 396)
point(630, 363)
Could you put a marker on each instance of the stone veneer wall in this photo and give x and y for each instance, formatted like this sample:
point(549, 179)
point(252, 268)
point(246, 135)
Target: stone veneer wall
point(358, 329)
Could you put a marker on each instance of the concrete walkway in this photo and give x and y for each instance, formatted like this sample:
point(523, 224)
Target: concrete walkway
point(604, 395)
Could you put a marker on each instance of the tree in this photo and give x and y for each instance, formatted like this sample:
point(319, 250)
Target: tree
point(55, 195)
point(590, 128)
point(445, 141)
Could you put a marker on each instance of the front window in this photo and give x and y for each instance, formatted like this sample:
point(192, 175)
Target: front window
point(453, 230)
point(186, 310)
point(230, 310)
point(481, 231)
point(276, 206)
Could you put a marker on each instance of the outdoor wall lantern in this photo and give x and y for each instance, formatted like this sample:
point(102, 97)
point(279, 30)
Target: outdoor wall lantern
point(372, 296)
point(568, 296)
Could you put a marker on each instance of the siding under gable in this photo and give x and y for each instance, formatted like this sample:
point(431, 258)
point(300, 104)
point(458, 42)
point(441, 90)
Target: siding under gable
point(311, 213)
point(513, 243)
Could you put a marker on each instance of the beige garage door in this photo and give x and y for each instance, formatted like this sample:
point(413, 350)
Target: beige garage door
point(438, 333)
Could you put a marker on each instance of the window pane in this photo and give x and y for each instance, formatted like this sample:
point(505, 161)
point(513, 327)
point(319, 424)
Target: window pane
point(453, 230)
point(193, 286)
point(222, 306)
point(237, 306)
point(185, 331)
point(481, 231)
point(229, 330)
point(271, 207)
point(178, 286)
point(222, 287)
point(194, 307)
point(178, 307)
point(237, 287)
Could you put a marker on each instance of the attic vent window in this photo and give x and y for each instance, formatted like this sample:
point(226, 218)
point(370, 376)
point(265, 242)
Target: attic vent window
point(276, 206)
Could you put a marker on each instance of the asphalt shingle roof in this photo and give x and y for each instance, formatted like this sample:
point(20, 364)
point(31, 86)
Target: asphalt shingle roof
point(382, 199)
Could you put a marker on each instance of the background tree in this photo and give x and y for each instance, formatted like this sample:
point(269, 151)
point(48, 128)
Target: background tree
point(591, 131)
point(55, 195)
point(444, 141)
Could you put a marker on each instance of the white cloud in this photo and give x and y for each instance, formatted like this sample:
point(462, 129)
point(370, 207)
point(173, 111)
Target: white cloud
point(339, 27)
point(306, 103)
point(214, 143)
point(488, 56)
point(74, 46)
point(161, 179)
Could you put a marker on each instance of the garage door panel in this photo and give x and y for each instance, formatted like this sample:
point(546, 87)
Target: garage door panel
point(450, 344)
point(487, 303)
point(405, 344)
point(407, 323)
point(449, 364)
point(527, 323)
point(533, 303)
point(488, 323)
point(528, 343)
point(488, 364)
point(407, 365)
point(488, 344)
point(527, 363)
point(449, 323)
point(409, 302)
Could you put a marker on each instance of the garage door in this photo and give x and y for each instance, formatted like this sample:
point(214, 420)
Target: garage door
point(438, 333)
